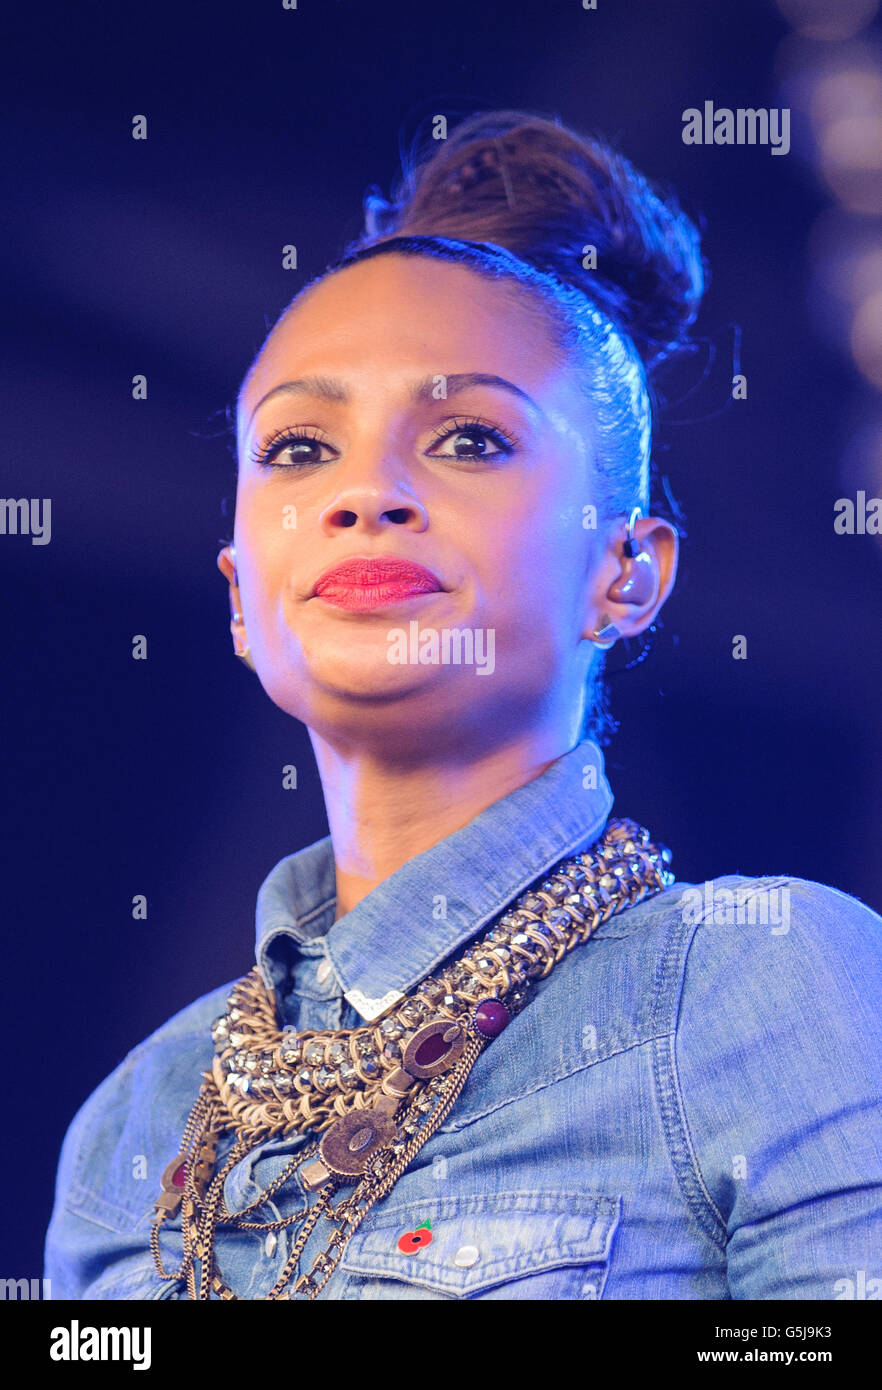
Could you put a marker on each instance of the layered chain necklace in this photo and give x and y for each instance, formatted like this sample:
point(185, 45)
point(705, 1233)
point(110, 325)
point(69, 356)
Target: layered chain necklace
point(372, 1096)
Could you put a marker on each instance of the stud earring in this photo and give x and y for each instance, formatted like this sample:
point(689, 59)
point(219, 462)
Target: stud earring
point(606, 634)
point(244, 655)
point(237, 617)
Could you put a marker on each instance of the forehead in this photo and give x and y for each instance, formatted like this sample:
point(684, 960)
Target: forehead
point(394, 316)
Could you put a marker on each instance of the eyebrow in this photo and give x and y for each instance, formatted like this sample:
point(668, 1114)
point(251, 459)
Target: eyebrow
point(330, 389)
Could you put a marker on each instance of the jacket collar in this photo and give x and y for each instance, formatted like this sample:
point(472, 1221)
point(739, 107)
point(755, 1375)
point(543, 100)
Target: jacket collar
point(409, 924)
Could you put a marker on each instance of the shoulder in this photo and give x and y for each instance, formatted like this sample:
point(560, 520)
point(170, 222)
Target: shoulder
point(723, 956)
point(166, 1054)
point(780, 985)
point(775, 1066)
point(136, 1114)
point(779, 931)
point(727, 920)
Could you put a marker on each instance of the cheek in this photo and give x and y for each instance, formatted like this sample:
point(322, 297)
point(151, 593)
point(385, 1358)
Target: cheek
point(265, 551)
point(540, 558)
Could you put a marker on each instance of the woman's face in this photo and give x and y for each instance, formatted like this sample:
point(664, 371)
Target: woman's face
point(349, 449)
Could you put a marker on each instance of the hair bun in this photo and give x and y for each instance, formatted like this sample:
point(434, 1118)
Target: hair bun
point(546, 193)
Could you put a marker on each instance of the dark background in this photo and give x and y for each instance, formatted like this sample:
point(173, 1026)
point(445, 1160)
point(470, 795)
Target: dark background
point(163, 257)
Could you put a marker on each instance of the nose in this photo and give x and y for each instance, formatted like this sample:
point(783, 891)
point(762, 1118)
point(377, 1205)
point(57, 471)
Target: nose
point(373, 503)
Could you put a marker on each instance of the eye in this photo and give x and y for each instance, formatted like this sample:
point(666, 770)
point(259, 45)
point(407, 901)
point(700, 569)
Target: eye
point(303, 447)
point(470, 439)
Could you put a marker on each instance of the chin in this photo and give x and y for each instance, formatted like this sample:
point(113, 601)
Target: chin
point(392, 704)
point(360, 680)
point(367, 679)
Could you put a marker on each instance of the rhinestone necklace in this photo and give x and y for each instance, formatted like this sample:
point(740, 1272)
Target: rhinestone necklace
point(374, 1094)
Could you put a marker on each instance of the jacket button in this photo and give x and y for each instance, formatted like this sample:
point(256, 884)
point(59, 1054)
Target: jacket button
point(269, 1245)
point(466, 1256)
point(323, 971)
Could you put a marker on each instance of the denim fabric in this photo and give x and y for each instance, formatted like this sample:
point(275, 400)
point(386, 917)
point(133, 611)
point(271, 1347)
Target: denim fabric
point(688, 1108)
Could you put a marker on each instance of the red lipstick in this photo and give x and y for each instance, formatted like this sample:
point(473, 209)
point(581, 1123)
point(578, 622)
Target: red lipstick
point(361, 583)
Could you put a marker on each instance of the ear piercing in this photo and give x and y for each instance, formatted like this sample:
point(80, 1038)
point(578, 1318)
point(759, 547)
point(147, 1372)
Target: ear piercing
point(606, 634)
point(237, 617)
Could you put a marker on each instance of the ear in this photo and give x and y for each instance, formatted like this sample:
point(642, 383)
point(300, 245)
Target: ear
point(628, 589)
point(226, 563)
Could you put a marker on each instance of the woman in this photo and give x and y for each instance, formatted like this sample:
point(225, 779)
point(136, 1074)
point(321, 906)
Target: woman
point(489, 1049)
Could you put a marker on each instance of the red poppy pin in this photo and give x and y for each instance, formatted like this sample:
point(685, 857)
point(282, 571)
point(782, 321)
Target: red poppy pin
point(414, 1240)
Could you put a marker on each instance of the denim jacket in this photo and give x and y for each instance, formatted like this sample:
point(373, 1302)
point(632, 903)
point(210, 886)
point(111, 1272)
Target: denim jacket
point(688, 1108)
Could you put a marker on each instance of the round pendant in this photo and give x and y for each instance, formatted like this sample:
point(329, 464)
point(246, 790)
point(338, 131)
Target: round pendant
point(434, 1048)
point(350, 1143)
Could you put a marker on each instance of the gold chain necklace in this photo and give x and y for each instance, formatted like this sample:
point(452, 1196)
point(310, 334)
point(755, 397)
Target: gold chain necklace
point(375, 1094)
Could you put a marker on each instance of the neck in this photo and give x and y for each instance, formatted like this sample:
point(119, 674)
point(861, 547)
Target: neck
point(382, 814)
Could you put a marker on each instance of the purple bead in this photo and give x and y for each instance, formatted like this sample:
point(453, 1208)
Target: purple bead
point(490, 1018)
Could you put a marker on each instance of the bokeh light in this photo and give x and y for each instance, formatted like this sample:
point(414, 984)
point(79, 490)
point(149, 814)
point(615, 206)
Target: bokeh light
point(828, 20)
point(866, 339)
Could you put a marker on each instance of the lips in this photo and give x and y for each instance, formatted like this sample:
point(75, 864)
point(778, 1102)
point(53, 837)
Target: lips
point(362, 583)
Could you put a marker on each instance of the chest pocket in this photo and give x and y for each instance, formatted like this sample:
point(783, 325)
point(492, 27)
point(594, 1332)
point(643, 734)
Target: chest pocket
point(133, 1277)
point(505, 1245)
